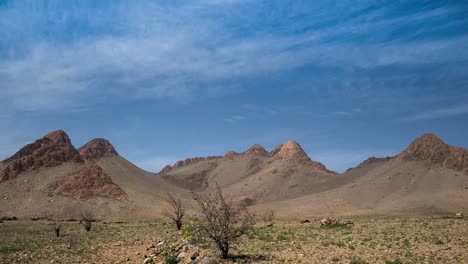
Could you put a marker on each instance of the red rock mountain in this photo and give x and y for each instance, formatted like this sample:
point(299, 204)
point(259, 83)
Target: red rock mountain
point(53, 149)
point(96, 149)
point(89, 181)
point(292, 151)
point(429, 147)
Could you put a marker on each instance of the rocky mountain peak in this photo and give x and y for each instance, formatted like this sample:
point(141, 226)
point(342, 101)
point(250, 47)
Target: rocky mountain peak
point(58, 137)
point(257, 150)
point(231, 154)
point(51, 150)
point(96, 149)
point(427, 147)
point(291, 150)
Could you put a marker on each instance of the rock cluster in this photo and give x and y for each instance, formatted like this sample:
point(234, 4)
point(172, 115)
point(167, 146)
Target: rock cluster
point(186, 162)
point(184, 252)
point(52, 150)
point(328, 221)
point(96, 149)
point(89, 181)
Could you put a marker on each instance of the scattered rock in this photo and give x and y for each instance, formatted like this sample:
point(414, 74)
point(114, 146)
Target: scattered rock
point(194, 255)
point(181, 256)
point(148, 261)
point(8, 218)
point(335, 221)
point(459, 215)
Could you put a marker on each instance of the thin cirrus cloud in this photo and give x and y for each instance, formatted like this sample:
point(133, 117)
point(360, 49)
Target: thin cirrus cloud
point(194, 50)
point(450, 111)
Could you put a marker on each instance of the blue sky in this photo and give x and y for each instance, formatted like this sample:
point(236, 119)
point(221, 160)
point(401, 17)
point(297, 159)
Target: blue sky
point(166, 80)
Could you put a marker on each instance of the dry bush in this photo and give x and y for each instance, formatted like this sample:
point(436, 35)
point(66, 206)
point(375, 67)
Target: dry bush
point(269, 215)
point(87, 219)
point(57, 227)
point(222, 221)
point(174, 210)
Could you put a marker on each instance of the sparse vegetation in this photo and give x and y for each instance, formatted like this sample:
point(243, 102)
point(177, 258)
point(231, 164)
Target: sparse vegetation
point(87, 219)
point(286, 242)
point(268, 215)
point(222, 221)
point(174, 210)
point(57, 227)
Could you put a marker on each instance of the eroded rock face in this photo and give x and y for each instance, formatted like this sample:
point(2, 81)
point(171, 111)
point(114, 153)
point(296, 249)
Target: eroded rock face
point(52, 150)
point(89, 181)
point(231, 154)
point(429, 147)
point(96, 149)
point(292, 151)
point(255, 150)
point(186, 162)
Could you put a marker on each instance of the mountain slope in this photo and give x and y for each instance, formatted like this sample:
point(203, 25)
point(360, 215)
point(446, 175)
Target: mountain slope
point(254, 174)
point(55, 179)
point(51, 150)
point(427, 177)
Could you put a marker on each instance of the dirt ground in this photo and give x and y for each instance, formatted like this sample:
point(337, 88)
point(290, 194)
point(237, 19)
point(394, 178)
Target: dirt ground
point(371, 240)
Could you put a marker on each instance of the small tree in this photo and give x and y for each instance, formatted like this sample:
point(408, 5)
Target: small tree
point(57, 227)
point(268, 216)
point(222, 221)
point(86, 219)
point(175, 210)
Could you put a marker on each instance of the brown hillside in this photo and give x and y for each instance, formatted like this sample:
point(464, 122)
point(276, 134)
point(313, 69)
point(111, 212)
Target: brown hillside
point(52, 150)
point(89, 181)
point(254, 174)
point(96, 149)
point(418, 180)
point(429, 147)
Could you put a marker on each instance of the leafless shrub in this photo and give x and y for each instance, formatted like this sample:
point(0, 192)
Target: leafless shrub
point(268, 216)
point(174, 210)
point(57, 227)
point(222, 221)
point(87, 219)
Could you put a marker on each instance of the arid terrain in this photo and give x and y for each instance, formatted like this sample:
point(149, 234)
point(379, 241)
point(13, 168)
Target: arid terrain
point(403, 207)
point(371, 240)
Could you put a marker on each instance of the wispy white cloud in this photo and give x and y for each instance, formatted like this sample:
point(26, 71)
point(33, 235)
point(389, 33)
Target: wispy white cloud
point(449, 111)
point(234, 118)
point(173, 52)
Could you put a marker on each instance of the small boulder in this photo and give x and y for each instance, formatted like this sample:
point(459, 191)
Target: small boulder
point(181, 256)
point(194, 255)
point(148, 261)
point(305, 221)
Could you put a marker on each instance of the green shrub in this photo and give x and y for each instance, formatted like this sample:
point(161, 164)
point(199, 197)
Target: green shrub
point(171, 259)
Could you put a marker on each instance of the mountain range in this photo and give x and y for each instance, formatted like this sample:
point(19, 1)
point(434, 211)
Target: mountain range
point(50, 177)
